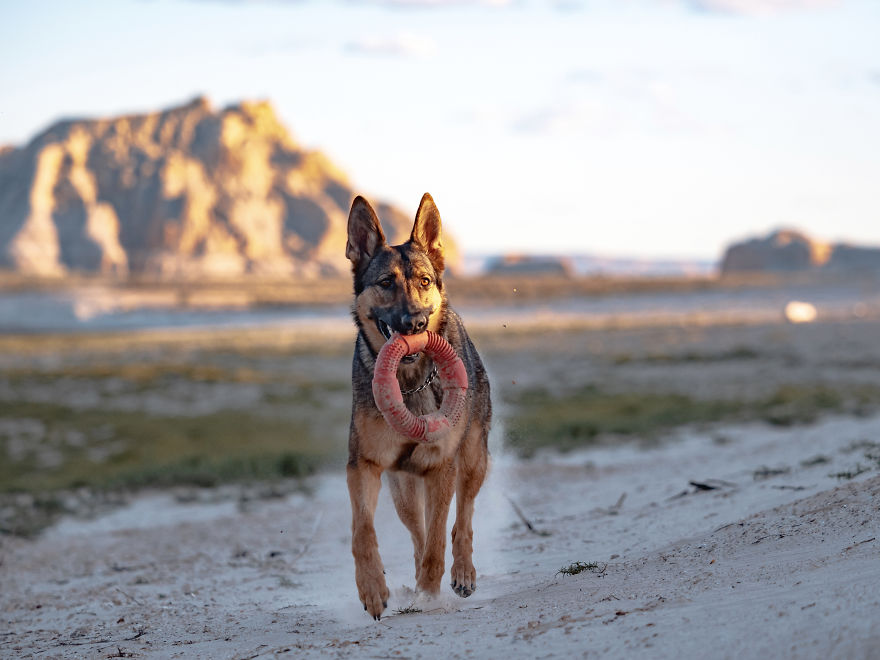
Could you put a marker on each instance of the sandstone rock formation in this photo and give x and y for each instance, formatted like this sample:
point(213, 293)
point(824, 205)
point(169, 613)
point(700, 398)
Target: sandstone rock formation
point(789, 251)
point(187, 192)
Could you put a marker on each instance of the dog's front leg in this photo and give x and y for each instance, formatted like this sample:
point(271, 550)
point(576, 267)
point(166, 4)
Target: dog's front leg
point(473, 462)
point(439, 488)
point(364, 481)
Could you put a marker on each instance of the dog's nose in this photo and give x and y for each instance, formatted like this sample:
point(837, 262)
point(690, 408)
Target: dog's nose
point(414, 323)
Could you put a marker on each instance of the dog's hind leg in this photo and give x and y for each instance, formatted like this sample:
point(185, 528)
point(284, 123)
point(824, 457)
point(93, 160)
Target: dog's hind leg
point(364, 481)
point(473, 462)
point(439, 488)
point(408, 493)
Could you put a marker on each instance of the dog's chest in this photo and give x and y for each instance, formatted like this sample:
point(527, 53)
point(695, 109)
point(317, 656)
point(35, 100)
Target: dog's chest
point(425, 401)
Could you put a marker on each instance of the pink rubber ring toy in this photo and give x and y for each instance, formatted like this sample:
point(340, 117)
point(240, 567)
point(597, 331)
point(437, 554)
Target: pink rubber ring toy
point(453, 380)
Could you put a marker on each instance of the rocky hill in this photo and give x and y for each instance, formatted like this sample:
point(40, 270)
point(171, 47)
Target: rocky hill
point(787, 251)
point(188, 192)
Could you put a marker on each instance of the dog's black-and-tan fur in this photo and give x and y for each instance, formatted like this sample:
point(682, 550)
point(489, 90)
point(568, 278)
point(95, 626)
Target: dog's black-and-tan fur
point(400, 288)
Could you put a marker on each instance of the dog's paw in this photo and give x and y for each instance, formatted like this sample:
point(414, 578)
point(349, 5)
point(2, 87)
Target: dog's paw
point(374, 595)
point(464, 579)
point(463, 589)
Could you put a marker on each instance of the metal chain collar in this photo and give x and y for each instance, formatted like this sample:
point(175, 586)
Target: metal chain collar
point(428, 381)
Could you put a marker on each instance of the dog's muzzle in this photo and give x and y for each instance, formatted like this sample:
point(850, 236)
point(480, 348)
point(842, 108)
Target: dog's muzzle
point(386, 331)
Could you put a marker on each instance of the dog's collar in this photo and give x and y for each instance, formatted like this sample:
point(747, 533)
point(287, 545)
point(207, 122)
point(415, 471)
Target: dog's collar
point(368, 359)
point(428, 381)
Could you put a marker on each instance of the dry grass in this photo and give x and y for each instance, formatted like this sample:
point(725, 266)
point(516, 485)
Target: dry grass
point(409, 609)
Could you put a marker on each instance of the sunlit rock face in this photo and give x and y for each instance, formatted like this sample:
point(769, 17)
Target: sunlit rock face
point(187, 192)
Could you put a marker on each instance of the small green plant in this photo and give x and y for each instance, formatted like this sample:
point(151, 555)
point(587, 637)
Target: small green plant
point(580, 567)
point(286, 583)
point(764, 472)
point(409, 609)
point(861, 445)
point(850, 474)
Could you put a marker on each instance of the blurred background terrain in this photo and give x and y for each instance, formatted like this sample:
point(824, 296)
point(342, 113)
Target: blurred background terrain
point(174, 312)
point(662, 232)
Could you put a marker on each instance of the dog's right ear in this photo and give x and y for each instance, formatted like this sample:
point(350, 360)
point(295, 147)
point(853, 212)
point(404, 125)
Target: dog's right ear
point(365, 235)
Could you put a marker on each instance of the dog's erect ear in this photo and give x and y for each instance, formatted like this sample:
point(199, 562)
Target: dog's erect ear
point(426, 231)
point(365, 235)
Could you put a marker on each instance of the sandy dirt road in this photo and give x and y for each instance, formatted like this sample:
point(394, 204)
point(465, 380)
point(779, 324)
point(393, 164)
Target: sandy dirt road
point(780, 558)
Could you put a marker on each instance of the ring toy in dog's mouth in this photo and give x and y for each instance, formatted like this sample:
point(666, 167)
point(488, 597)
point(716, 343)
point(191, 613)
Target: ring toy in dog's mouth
point(386, 331)
point(453, 380)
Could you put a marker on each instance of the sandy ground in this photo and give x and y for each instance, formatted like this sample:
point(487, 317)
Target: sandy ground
point(774, 554)
point(778, 559)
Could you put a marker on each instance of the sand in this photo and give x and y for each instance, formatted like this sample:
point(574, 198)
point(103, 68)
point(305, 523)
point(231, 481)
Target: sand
point(778, 559)
point(774, 553)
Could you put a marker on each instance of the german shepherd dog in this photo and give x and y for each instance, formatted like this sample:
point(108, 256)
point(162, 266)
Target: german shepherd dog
point(400, 288)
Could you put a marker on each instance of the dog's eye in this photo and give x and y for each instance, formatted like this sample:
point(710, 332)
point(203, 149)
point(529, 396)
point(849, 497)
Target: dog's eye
point(426, 282)
point(385, 282)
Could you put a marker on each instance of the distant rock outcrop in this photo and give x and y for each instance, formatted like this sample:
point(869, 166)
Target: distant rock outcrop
point(788, 251)
point(854, 258)
point(529, 265)
point(187, 192)
point(783, 250)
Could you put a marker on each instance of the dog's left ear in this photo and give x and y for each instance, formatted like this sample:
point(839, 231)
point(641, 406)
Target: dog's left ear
point(426, 232)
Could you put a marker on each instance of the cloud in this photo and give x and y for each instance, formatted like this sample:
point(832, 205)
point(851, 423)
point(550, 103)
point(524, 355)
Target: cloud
point(601, 118)
point(564, 118)
point(433, 4)
point(285, 46)
point(389, 4)
point(584, 76)
point(757, 7)
point(735, 7)
point(596, 102)
point(401, 45)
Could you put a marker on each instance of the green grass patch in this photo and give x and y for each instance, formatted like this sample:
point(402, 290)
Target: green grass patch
point(813, 461)
point(579, 418)
point(155, 373)
point(586, 416)
point(106, 449)
point(580, 567)
point(792, 404)
point(734, 354)
point(850, 474)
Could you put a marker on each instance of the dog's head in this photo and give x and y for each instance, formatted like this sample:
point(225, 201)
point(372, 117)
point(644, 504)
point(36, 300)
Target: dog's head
point(400, 287)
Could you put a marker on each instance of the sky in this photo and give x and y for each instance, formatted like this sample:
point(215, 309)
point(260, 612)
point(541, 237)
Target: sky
point(637, 128)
